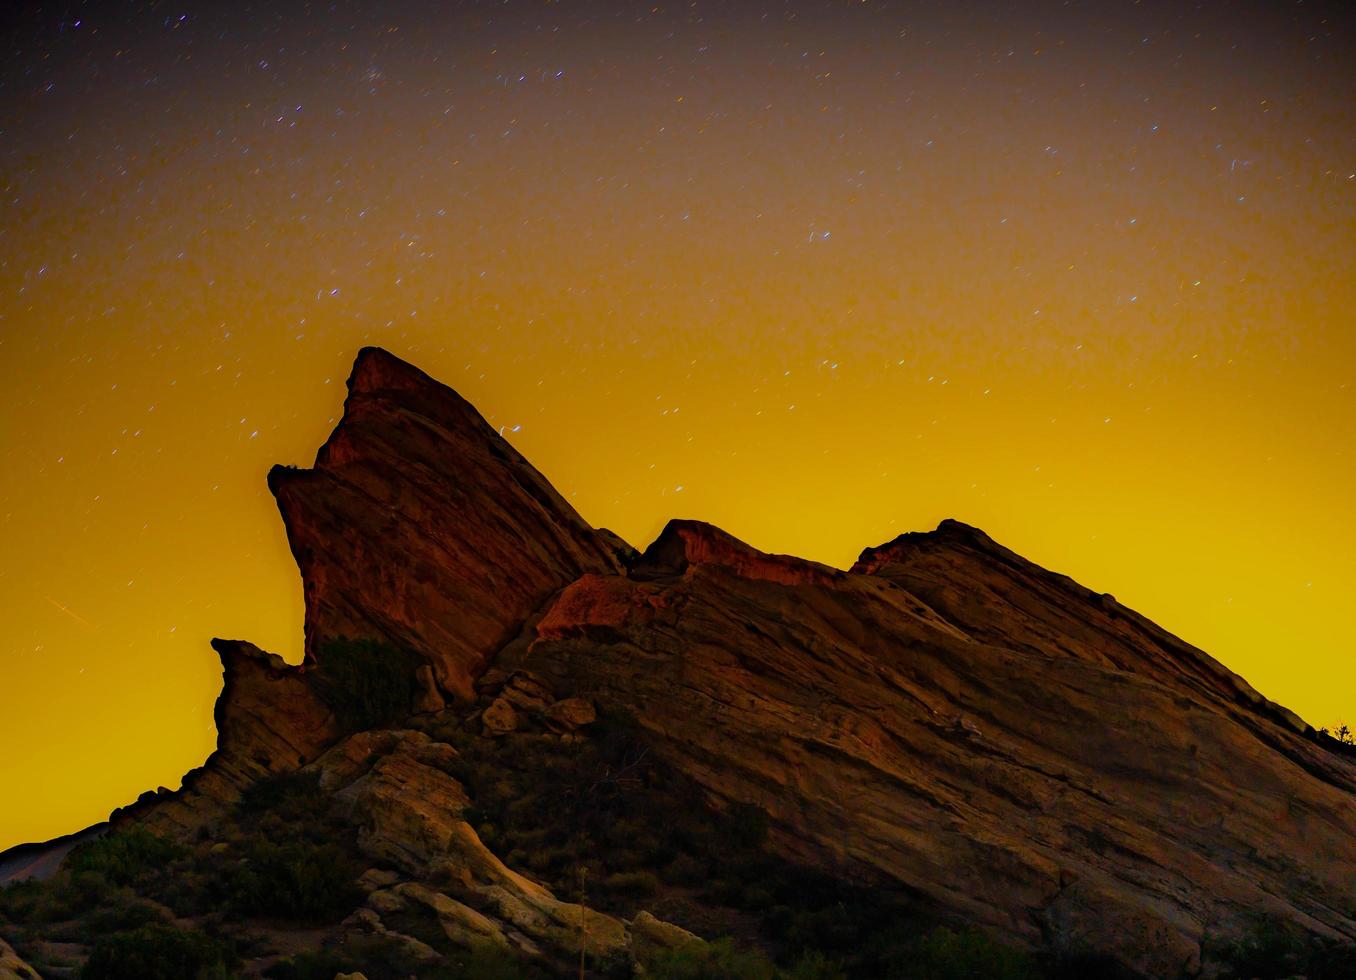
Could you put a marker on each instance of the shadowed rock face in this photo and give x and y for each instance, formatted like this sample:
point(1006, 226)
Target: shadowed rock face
point(269, 721)
point(946, 715)
point(1023, 759)
point(420, 526)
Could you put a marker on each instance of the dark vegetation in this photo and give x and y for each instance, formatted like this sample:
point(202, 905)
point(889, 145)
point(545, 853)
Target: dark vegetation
point(1273, 951)
point(1342, 734)
point(160, 952)
point(645, 837)
point(599, 814)
point(383, 959)
point(126, 896)
point(365, 683)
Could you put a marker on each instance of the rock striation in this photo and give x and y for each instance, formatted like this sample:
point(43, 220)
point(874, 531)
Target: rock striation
point(945, 715)
point(420, 526)
point(950, 717)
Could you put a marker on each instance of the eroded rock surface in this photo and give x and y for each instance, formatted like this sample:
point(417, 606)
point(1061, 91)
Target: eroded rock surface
point(1045, 774)
point(395, 786)
point(12, 967)
point(420, 526)
point(269, 721)
point(1029, 755)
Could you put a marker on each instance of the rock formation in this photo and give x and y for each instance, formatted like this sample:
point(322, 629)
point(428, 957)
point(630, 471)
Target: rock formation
point(12, 967)
point(421, 526)
point(1027, 754)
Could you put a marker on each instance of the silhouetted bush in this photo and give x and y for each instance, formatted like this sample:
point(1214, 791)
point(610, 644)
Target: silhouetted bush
point(298, 881)
point(720, 960)
point(160, 952)
point(365, 683)
point(1342, 734)
point(124, 856)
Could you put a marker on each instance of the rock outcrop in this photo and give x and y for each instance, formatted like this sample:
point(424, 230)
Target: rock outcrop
point(945, 716)
point(1048, 770)
point(269, 720)
point(396, 787)
point(14, 968)
point(420, 526)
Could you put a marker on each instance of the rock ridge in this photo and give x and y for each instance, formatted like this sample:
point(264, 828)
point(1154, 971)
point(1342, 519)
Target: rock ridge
point(944, 716)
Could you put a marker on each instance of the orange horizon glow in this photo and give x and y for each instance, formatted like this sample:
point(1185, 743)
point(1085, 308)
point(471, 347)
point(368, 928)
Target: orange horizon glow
point(815, 280)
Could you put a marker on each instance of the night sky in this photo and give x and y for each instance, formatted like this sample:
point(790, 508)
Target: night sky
point(1081, 274)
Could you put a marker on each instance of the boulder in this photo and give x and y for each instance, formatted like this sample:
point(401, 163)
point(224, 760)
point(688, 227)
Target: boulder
point(570, 714)
point(500, 718)
point(12, 967)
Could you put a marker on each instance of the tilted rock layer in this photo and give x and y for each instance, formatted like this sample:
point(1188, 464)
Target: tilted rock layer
point(946, 715)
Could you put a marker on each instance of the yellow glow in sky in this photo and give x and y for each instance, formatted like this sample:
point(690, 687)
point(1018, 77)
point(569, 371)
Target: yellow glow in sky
point(816, 282)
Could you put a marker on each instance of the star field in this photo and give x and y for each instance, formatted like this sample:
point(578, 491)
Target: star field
point(1081, 274)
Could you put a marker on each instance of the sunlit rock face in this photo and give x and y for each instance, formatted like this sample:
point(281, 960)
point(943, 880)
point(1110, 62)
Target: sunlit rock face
point(1027, 754)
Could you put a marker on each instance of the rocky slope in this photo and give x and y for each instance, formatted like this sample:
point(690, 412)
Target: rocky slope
point(945, 718)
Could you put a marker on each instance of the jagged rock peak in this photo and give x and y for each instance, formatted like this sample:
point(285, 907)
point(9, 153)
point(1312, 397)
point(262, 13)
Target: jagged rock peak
point(420, 526)
point(949, 717)
point(949, 532)
point(375, 368)
point(999, 597)
point(684, 544)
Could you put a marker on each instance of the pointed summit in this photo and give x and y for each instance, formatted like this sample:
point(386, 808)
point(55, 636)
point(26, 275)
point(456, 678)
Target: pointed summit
point(947, 717)
point(420, 526)
point(999, 597)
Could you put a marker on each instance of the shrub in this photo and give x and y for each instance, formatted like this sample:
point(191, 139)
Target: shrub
point(487, 961)
point(383, 958)
point(945, 954)
point(1272, 949)
point(297, 881)
point(122, 918)
point(815, 966)
point(365, 683)
point(65, 896)
point(1267, 950)
point(321, 965)
point(719, 960)
point(632, 884)
point(289, 795)
point(160, 952)
point(124, 856)
point(1333, 963)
